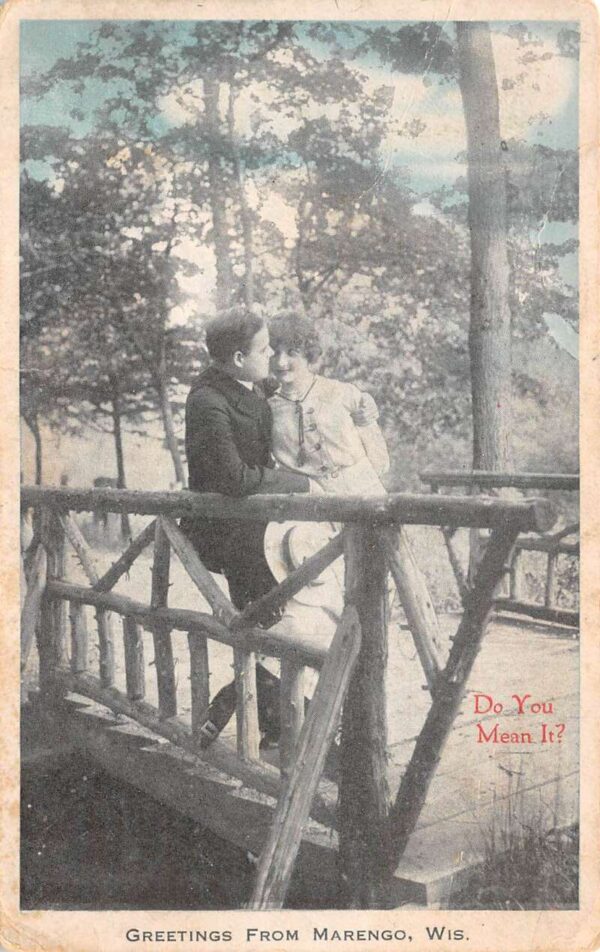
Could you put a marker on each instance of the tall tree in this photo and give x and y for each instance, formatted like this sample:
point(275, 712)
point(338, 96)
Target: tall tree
point(283, 169)
point(490, 324)
point(107, 232)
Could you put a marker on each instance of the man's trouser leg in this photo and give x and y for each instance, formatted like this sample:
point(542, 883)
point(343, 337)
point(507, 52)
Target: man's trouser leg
point(248, 577)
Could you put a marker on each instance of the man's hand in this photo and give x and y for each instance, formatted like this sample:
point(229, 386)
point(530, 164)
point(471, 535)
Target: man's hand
point(366, 413)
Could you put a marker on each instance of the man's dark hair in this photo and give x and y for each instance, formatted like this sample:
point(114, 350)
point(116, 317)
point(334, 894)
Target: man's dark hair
point(294, 331)
point(230, 332)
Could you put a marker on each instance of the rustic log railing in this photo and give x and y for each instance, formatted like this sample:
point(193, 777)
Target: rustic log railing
point(352, 666)
point(564, 542)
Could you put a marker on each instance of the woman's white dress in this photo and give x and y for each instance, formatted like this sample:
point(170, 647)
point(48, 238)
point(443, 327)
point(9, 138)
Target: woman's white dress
point(334, 455)
point(334, 452)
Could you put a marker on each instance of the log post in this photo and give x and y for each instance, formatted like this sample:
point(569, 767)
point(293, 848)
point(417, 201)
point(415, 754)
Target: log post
point(79, 638)
point(246, 709)
point(199, 680)
point(475, 547)
point(514, 587)
point(161, 632)
point(133, 642)
point(35, 582)
point(107, 649)
point(363, 788)
point(105, 631)
point(550, 576)
point(292, 712)
point(53, 624)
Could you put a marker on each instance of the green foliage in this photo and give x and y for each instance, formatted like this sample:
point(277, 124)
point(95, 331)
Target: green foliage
point(416, 48)
point(529, 862)
point(305, 129)
point(97, 283)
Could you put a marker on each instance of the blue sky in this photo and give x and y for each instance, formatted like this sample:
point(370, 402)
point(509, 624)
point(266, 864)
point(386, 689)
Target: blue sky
point(428, 157)
point(538, 92)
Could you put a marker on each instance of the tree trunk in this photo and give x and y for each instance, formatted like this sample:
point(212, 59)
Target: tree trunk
point(169, 425)
point(225, 279)
point(303, 284)
point(245, 213)
point(118, 435)
point(490, 331)
point(33, 427)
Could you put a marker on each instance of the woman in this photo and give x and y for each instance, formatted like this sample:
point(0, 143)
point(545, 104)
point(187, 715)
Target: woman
point(323, 428)
point(327, 430)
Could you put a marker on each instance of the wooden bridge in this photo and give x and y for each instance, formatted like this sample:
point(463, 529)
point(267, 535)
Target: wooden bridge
point(287, 813)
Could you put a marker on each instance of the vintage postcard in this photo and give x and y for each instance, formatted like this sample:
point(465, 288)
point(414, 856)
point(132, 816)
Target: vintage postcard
point(299, 538)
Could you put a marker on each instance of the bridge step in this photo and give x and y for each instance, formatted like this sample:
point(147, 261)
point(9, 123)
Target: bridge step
point(239, 814)
point(40, 746)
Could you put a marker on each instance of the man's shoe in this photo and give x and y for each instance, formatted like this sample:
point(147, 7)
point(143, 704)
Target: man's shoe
point(219, 713)
point(208, 733)
point(268, 743)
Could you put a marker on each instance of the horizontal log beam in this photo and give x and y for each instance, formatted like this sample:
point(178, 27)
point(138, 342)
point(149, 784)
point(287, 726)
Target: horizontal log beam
point(406, 508)
point(572, 529)
point(487, 479)
point(547, 545)
point(561, 616)
point(259, 775)
point(260, 610)
point(305, 649)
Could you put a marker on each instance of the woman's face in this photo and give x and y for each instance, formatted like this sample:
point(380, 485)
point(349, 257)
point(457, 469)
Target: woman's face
point(289, 365)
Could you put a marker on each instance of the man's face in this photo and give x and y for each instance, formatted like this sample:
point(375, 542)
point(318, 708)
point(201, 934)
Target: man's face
point(254, 365)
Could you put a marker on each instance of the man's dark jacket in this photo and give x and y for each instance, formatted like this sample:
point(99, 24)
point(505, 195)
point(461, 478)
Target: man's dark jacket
point(228, 448)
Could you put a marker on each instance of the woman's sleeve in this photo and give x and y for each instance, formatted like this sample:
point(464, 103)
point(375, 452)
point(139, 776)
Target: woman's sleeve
point(365, 415)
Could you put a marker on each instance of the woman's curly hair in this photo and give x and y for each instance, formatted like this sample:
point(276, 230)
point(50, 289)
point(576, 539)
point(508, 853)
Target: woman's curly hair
point(294, 331)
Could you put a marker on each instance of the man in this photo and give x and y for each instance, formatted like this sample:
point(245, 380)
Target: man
point(228, 447)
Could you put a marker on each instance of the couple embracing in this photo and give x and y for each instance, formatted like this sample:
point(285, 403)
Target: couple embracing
point(312, 434)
